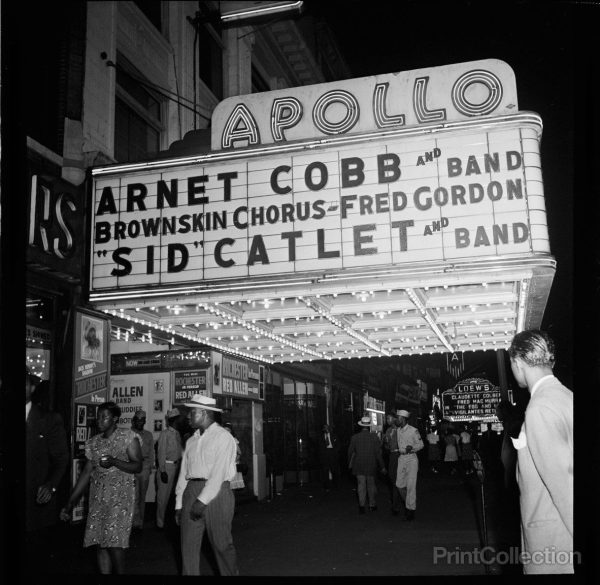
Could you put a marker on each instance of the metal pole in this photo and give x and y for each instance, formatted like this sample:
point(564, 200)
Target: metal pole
point(502, 374)
point(485, 537)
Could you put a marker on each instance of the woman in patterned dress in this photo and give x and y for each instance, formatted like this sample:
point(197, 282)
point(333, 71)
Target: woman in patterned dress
point(113, 458)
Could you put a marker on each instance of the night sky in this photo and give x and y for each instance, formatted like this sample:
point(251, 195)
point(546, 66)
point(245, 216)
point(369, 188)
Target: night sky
point(536, 40)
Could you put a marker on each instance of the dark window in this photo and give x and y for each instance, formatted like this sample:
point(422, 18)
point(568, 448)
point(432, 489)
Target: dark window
point(153, 11)
point(134, 138)
point(210, 59)
point(40, 51)
point(137, 115)
point(258, 81)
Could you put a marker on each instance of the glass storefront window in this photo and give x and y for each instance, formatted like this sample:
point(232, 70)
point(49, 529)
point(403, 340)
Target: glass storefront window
point(39, 313)
point(304, 416)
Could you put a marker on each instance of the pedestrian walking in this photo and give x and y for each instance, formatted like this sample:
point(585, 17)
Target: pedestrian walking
point(113, 457)
point(544, 456)
point(329, 457)
point(237, 483)
point(433, 450)
point(452, 451)
point(390, 455)
point(466, 451)
point(168, 456)
point(204, 499)
point(389, 437)
point(142, 479)
point(364, 459)
point(409, 444)
point(46, 460)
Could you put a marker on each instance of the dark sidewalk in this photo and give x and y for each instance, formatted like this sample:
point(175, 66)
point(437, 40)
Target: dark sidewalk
point(307, 531)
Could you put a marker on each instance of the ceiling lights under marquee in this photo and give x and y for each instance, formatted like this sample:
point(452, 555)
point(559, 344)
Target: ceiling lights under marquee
point(385, 318)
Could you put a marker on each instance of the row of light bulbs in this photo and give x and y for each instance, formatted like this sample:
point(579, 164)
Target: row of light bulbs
point(301, 348)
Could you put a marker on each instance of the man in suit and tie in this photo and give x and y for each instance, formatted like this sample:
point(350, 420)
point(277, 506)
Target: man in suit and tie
point(46, 460)
point(364, 459)
point(545, 457)
point(329, 454)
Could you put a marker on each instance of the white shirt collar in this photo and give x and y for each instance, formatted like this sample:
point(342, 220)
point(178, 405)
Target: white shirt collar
point(539, 382)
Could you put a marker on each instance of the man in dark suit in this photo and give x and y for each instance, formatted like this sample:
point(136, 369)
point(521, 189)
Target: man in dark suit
point(329, 454)
point(46, 461)
point(364, 459)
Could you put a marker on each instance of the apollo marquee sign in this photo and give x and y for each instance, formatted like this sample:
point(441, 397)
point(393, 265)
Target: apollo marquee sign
point(383, 199)
point(397, 100)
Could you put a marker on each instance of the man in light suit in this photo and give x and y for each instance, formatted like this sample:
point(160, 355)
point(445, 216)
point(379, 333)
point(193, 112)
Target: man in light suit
point(545, 458)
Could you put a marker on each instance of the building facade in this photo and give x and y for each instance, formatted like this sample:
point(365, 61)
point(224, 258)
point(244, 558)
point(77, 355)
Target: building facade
point(130, 81)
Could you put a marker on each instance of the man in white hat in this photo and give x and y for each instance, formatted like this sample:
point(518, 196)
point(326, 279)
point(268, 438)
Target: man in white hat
point(409, 442)
point(203, 493)
point(364, 456)
point(168, 456)
point(142, 479)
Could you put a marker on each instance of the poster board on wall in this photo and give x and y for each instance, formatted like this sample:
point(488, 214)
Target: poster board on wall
point(149, 392)
point(91, 371)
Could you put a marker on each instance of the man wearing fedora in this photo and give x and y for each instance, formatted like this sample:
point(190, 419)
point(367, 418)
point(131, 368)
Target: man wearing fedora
point(203, 493)
point(409, 442)
point(364, 456)
point(168, 457)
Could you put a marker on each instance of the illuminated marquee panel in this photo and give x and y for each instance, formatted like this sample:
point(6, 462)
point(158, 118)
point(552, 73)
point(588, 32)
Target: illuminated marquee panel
point(405, 99)
point(397, 201)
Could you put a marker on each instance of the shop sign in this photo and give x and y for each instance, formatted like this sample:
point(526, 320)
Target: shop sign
point(130, 393)
point(391, 203)
point(237, 378)
point(132, 362)
point(91, 384)
point(474, 399)
point(91, 363)
point(189, 383)
point(55, 224)
point(404, 392)
point(34, 334)
point(405, 99)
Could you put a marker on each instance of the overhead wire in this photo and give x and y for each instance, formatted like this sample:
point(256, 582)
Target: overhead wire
point(162, 91)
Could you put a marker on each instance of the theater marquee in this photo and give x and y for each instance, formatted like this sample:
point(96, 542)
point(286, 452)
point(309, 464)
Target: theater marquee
point(400, 200)
point(403, 213)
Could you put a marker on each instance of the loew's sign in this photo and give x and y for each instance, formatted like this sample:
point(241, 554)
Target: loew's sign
point(405, 99)
point(473, 399)
point(394, 201)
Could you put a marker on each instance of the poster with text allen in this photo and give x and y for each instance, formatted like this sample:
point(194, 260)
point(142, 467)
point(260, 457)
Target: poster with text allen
point(461, 195)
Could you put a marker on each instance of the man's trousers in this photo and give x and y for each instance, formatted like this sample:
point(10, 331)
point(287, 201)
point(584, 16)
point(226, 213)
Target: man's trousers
point(392, 473)
point(164, 491)
point(366, 485)
point(217, 519)
point(141, 488)
point(406, 479)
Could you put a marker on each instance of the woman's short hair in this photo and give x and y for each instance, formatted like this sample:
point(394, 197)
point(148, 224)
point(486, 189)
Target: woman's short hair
point(534, 347)
point(112, 407)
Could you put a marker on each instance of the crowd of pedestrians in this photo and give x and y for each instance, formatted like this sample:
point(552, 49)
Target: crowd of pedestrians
point(203, 466)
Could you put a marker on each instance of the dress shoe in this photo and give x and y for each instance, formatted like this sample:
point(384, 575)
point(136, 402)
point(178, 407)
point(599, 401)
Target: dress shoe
point(361, 509)
point(373, 508)
point(410, 514)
